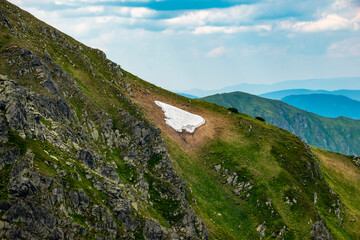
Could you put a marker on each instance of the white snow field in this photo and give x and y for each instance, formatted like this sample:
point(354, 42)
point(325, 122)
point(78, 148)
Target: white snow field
point(179, 119)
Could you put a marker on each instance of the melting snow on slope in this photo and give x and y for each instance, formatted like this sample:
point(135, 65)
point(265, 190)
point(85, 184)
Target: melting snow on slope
point(179, 119)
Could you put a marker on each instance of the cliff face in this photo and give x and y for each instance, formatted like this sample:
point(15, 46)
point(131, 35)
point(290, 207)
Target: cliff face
point(73, 166)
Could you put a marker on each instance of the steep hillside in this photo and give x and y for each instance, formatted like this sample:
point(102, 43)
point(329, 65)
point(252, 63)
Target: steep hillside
point(326, 105)
point(338, 135)
point(278, 95)
point(86, 154)
point(78, 158)
point(343, 175)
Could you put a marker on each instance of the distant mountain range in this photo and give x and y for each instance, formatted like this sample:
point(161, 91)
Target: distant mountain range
point(187, 95)
point(330, 84)
point(278, 95)
point(335, 134)
point(326, 105)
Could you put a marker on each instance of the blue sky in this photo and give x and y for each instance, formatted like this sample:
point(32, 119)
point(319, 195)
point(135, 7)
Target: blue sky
point(183, 44)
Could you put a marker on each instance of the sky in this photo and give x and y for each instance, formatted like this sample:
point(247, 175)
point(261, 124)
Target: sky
point(210, 44)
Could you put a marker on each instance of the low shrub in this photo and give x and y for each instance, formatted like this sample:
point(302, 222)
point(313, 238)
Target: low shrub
point(232, 109)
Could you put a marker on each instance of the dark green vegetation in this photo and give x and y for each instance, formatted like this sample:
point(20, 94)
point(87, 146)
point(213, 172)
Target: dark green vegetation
point(234, 110)
point(326, 105)
point(86, 154)
point(187, 95)
point(278, 95)
point(338, 135)
point(260, 119)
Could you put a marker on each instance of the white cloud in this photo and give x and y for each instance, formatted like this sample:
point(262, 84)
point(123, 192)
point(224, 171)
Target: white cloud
point(331, 22)
point(339, 5)
point(216, 52)
point(94, 9)
point(347, 47)
point(356, 18)
point(230, 29)
point(16, 2)
point(135, 12)
point(242, 13)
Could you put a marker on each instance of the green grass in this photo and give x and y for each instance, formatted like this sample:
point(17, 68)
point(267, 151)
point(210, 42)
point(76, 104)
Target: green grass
point(254, 157)
point(16, 140)
point(4, 39)
point(167, 207)
point(4, 181)
point(47, 123)
point(154, 160)
point(344, 177)
point(78, 219)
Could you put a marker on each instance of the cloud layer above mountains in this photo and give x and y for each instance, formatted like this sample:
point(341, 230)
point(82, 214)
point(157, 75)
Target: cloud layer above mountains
point(217, 42)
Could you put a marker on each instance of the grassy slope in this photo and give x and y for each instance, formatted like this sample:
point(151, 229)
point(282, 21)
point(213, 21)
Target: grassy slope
point(344, 177)
point(275, 160)
point(340, 134)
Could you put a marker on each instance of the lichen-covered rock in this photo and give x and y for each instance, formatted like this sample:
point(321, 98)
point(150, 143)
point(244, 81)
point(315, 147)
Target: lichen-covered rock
point(9, 156)
point(153, 231)
point(3, 20)
point(357, 161)
point(3, 131)
point(261, 229)
point(318, 231)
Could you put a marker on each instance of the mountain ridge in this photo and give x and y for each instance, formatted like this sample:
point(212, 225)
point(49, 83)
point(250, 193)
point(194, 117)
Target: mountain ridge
point(278, 95)
point(312, 84)
point(332, 134)
point(326, 105)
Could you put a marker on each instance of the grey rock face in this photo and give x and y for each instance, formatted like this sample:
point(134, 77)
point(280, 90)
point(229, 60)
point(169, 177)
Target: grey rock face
point(9, 157)
point(22, 188)
point(3, 20)
point(88, 158)
point(3, 130)
point(44, 118)
point(318, 231)
point(153, 231)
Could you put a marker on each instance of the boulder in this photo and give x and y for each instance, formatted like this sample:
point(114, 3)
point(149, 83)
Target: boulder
point(318, 231)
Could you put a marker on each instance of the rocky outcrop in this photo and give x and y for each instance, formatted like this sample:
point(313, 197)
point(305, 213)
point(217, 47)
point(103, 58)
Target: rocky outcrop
point(239, 187)
point(73, 169)
point(47, 119)
point(3, 131)
point(261, 229)
point(318, 231)
point(356, 160)
point(3, 20)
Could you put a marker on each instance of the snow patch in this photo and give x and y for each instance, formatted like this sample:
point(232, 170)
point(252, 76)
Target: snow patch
point(179, 119)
